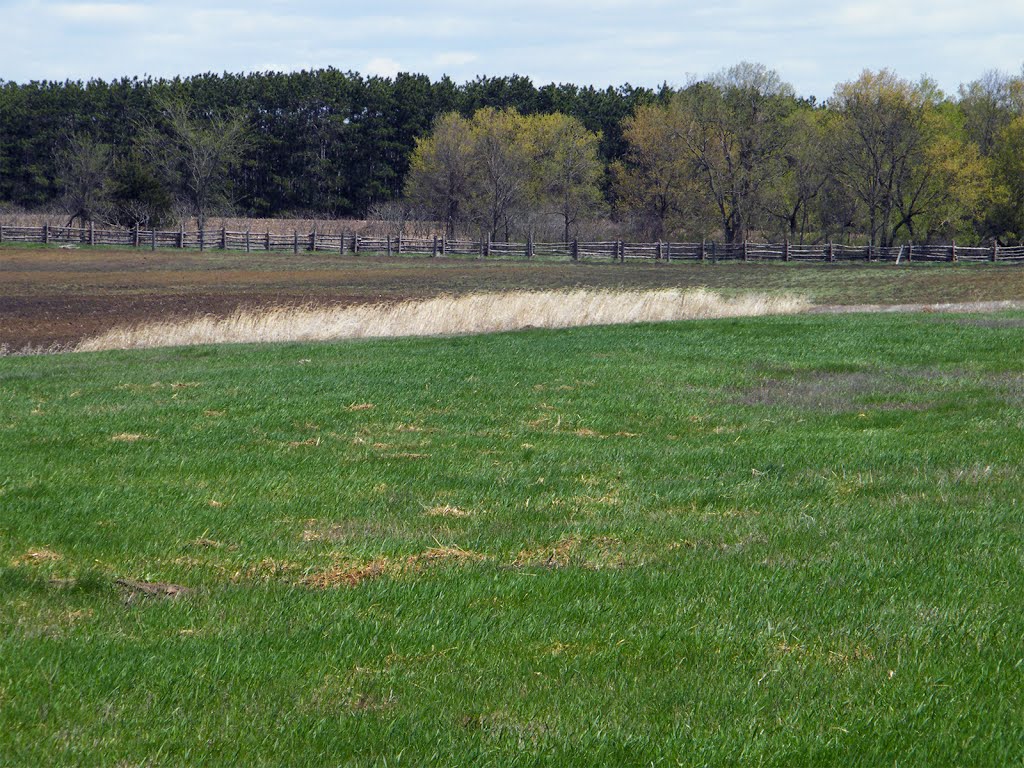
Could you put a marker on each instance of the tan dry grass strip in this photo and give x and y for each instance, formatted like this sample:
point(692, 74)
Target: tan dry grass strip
point(447, 316)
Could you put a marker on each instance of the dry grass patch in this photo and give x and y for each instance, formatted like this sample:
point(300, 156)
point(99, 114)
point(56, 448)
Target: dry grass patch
point(310, 442)
point(574, 551)
point(204, 543)
point(135, 589)
point(448, 511)
point(266, 570)
point(443, 554)
point(447, 316)
point(128, 437)
point(345, 575)
point(36, 557)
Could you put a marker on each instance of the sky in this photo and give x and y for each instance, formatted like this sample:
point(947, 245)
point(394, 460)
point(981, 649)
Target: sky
point(813, 46)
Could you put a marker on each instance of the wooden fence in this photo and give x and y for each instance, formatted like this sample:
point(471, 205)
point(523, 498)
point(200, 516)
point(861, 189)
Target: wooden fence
point(577, 250)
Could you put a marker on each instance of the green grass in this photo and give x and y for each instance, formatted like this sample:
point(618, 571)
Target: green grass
point(786, 541)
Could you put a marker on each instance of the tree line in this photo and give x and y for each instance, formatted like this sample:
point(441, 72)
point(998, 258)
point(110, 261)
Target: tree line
point(736, 155)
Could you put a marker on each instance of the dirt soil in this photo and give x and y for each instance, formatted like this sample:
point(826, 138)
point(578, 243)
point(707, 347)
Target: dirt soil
point(52, 298)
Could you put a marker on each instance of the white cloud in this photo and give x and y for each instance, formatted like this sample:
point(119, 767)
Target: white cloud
point(382, 66)
point(455, 59)
point(599, 42)
point(101, 13)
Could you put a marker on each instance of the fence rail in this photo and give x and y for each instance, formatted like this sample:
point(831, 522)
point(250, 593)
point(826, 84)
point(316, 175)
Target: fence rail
point(577, 250)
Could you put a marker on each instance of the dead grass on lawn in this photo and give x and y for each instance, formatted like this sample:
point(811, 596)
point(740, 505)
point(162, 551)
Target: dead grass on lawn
point(446, 316)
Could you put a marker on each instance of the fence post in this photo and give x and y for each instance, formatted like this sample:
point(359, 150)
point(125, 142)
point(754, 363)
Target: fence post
point(575, 252)
point(202, 239)
point(870, 246)
point(266, 240)
point(399, 243)
point(181, 235)
point(529, 237)
point(910, 251)
point(703, 249)
point(433, 251)
point(785, 249)
point(223, 238)
point(152, 234)
point(657, 253)
point(831, 252)
point(295, 242)
point(952, 253)
point(389, 245)
point(744, 249)
point(668, 251)
point(248, 249)
point(1, 231)
point(341, 248)
point(355, 243)
point(46, 234)
point(92, 233)
point(444, 244)
point(995, 250)
point(312, 240)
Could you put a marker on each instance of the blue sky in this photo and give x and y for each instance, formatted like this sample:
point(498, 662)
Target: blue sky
point(600, 42)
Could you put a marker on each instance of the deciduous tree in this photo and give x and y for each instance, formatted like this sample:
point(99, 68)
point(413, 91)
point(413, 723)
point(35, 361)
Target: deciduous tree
point(196, 154)
point(876, 144)
point(440, 172)
point(566, 168)
point(84, 173)
point(655, 182)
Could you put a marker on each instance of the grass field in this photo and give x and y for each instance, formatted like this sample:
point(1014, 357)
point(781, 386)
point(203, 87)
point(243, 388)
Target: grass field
point(776, 541)
point(58, 297)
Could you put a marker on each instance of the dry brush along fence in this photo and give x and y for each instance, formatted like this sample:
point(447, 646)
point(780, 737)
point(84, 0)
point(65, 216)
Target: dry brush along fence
point(609, 250)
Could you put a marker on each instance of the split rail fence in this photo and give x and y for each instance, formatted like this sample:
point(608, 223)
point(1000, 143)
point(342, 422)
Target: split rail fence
point(577, 250)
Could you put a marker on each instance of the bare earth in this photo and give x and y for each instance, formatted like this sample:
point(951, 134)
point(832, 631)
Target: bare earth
point(53, 297)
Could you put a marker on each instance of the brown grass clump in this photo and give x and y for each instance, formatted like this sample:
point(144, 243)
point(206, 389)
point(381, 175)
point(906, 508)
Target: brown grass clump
point(349, 574)
point(346, 575)
point(36, 556)
point(128, 437)
point(447, 511)
point(135, 589)
point(446, 316)
point(442, 554)
point(595, 553)
point(557, 555)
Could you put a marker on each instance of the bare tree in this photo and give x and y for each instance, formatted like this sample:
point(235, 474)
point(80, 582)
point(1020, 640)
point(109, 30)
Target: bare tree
point(84, 172)
point(196, 154)
point(989, 104)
